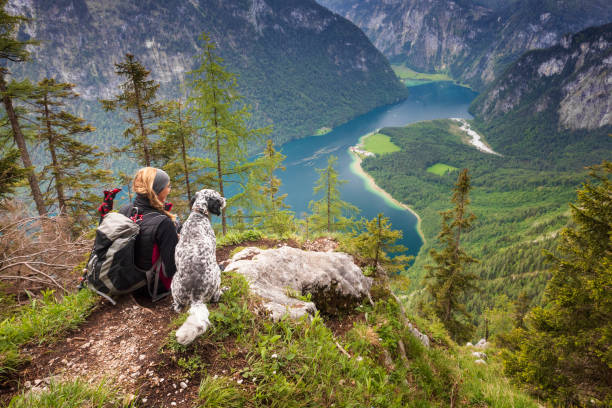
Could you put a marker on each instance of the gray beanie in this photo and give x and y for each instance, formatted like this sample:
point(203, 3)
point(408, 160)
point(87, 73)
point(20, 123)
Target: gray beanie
point(161, 181)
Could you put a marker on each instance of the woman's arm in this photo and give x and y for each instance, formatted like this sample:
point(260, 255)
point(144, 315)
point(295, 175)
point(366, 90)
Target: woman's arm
point(167, 238)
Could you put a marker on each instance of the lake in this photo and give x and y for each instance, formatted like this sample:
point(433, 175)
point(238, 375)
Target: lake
point(426, 102)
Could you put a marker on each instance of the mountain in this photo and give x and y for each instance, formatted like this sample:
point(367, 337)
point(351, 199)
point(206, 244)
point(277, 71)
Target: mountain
point(471, 40)
point(300, 66)
point(555, 99)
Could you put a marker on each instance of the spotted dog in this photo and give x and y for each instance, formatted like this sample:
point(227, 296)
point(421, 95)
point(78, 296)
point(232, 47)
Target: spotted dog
point(198, 277)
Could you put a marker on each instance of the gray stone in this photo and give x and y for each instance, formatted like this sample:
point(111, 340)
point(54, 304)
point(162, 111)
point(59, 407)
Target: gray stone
point(480, 362)
point(480, 355)
point(482, 343)
point(332, 279)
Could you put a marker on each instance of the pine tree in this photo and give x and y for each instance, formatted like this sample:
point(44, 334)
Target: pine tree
point(221, 119)
point(330, 212)
point(177, 138)
point(15, 50)
point(73, 169)
point(138, 99)
point(564, 350)
point(448, 281)
point(377, 242)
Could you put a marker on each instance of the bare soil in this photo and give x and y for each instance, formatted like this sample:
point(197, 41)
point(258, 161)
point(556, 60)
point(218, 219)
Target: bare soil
point(127, 345)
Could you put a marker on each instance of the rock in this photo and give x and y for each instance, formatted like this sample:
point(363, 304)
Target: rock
point(416, 333)
point(480, 362)
point(27, 384)
point(37, 381)
point(480, 355)
point(183, 385)
point(141, 357)
point(482, 343)
point(469, 344)
point(332, 279)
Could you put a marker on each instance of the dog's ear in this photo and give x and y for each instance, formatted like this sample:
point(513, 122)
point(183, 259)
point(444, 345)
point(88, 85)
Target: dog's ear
point(199, 203)
point(216, 204)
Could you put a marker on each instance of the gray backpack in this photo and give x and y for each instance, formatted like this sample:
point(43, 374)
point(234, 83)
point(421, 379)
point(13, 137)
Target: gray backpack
point(111, 269)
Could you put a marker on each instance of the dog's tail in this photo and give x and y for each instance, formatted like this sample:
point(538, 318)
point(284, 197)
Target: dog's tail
point(196, 324)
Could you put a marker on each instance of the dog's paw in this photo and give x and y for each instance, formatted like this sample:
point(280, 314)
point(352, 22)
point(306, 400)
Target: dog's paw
point(196, 324)
point(189, 331)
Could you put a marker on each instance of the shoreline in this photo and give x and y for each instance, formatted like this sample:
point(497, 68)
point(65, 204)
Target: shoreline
point(371, 184)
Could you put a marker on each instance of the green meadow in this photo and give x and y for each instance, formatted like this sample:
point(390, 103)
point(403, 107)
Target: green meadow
point(379, 144)
point(441, 169)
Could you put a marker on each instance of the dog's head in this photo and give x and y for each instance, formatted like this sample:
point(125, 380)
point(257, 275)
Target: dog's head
point(207, 202)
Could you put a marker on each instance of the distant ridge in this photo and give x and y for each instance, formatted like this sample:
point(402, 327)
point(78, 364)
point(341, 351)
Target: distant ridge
point(300, 66)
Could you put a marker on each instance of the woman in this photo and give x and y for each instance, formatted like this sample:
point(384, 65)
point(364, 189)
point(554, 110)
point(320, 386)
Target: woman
point(158, 235)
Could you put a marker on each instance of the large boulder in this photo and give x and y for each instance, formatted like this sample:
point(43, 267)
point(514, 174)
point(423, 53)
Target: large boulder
point(281, 275)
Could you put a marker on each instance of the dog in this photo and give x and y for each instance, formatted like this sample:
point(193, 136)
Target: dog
point(198, 278)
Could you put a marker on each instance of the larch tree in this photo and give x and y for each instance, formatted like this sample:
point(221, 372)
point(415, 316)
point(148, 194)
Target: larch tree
point(73, 169)
point(274, 212)
point(377, 241)
point(330, 213)
point(563, 349)
point(14, 50)
point(222, 123)
point(177, 139)
point(10, 172)
point(447, 281)
point(138, 99)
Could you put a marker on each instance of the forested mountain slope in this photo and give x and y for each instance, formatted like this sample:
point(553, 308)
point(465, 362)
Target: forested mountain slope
point(520, 206)
point(472, 40)
point(555, 100)
point(299, 65)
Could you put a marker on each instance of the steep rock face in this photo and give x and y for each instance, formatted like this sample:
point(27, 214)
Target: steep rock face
point(574, 79)
point(472, 40)
point(557, 99)
point(279, 275)
point(299, 65)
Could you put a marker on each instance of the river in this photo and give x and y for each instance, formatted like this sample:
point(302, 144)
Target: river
point(426, 102)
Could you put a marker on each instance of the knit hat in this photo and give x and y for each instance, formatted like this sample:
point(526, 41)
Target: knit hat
point(161, 181)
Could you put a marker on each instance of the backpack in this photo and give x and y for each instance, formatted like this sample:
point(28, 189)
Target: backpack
point(111, 269)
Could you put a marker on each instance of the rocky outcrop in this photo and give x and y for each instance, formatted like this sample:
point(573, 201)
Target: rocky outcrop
point(573, 80)
point(472, 40)
point(300, 66)
point(286, 277)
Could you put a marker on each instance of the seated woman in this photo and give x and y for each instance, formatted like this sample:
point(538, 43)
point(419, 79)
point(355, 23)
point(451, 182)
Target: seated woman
point(156, 242)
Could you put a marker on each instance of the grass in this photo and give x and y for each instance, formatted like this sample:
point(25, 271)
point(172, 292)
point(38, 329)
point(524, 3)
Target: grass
point(441, 169)
point(411, 78)
point(379, 144)
point(220, 392)
point(44, 320)
point(76, 394)
point(237, 237)
point(484, 386)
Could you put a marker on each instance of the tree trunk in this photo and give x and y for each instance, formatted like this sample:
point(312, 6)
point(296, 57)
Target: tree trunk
point(377, 244)
point(184, 153)
point(328, 200)
point(59, 187)
point(23, 149)
point(143, 131)
point(219, 170)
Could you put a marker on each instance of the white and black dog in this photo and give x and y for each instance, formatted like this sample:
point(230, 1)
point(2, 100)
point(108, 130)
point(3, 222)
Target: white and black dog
point(198, 277)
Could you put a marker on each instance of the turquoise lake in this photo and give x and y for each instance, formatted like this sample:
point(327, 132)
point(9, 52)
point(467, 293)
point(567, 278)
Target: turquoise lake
point(425, 102)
